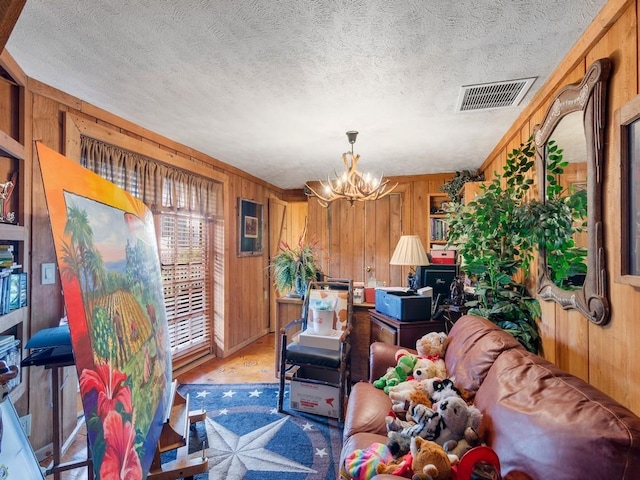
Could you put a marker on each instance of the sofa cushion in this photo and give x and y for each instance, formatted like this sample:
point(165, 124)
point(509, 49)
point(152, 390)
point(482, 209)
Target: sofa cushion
point(550, 424)
point(474, 344)
point(366, 411)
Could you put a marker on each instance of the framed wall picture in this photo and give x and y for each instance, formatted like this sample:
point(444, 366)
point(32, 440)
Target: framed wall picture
point(628, 248)
point(249, 228)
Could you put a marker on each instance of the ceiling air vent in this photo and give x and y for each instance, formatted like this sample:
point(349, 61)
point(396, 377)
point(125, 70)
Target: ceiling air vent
point(493, 95)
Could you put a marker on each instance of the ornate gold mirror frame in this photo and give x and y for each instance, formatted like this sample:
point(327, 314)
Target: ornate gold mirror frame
point(589, 98)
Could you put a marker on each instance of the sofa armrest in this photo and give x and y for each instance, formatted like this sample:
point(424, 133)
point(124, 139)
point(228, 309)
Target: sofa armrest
point(381, 357)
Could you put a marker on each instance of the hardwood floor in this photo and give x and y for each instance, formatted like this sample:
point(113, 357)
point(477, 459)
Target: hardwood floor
point(252, 364)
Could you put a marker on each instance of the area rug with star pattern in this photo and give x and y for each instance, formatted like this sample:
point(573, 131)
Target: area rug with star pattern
point(244, 436)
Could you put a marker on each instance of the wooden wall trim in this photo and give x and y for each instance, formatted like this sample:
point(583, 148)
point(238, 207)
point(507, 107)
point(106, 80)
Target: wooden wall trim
point(9, 64)
point(612, 10)
point(76, 126)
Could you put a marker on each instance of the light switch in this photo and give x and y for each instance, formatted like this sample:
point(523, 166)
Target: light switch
point(48, 273)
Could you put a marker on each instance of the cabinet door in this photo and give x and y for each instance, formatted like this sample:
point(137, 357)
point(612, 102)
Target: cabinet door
point(360, 341)
point(381, 332)
point(410, 332)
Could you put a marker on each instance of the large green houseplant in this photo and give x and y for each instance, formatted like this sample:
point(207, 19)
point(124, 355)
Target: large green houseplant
point(294, 266)
point(492, 233)
point(499, 231)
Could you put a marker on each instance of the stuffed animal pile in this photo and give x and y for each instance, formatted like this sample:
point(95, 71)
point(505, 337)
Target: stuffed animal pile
point(430, 426)
point(428, 365)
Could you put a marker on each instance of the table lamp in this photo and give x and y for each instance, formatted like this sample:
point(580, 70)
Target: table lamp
point(409, 251)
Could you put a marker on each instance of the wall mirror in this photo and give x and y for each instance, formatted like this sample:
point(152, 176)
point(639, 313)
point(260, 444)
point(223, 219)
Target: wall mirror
point(575, 122)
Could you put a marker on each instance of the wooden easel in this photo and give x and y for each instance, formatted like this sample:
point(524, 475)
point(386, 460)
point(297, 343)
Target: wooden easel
point(175, 436)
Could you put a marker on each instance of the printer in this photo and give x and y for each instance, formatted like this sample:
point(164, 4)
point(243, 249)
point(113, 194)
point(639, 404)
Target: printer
point(403, 304)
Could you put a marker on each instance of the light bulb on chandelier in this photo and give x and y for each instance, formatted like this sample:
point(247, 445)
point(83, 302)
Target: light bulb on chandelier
point(352, 185)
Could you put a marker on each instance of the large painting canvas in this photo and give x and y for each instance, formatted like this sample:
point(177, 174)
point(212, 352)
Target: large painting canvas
point(110, 271)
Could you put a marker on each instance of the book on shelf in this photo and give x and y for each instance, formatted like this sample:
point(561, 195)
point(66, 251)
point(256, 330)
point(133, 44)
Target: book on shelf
point(13, 299)
point(23, 289)
point(439, 229)
point(13, 291)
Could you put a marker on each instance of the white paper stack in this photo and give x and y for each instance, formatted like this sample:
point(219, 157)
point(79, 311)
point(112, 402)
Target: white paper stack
point(330, 342)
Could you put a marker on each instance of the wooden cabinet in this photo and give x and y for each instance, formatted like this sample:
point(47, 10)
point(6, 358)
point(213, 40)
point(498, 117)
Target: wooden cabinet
point(404, 334)
point(437, 217)
point(360, 341)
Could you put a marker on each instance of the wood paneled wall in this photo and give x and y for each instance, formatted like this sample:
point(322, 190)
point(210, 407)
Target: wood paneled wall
point(607, 357)
point(361, 238)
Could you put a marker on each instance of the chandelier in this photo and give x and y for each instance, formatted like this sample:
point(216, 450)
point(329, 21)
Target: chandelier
point(351, 185)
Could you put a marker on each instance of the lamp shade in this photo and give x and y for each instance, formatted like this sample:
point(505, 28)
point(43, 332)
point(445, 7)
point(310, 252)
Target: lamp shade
point(409, 251)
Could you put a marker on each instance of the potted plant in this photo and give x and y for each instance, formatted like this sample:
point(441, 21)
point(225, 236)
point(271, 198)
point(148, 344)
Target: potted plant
point(497, 234)
point(493, 235)
point(295, 266)
point(453, 187)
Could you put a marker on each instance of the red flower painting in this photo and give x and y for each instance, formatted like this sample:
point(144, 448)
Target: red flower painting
point(109, 384)
point(120, 461)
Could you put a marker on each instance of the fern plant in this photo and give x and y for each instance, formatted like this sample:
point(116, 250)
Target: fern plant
point(294, 267)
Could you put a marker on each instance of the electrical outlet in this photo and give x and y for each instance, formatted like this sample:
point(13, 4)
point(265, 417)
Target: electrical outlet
point(25, 423)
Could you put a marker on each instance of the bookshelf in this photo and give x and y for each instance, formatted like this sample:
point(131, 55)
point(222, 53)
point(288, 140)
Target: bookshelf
point(14, 238)
point(437, 220)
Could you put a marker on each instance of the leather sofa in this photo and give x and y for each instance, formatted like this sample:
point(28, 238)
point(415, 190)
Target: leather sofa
point(542, 422)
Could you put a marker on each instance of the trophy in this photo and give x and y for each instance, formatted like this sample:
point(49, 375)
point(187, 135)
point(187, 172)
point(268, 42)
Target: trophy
point(6, 189)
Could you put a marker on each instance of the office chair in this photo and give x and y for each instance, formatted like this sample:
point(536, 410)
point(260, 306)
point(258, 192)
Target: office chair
point(295, 357)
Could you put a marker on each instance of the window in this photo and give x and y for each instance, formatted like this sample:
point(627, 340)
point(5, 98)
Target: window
point(184, 260)
point(185, 207)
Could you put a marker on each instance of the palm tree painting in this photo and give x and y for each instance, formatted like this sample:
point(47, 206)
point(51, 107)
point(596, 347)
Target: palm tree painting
point(110, 273)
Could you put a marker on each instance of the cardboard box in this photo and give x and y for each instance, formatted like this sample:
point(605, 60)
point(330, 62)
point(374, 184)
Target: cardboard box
point(443, 257)
point(312, 391)
point(330, 342)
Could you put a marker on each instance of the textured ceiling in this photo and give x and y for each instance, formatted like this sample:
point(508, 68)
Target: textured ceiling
point(271, 86)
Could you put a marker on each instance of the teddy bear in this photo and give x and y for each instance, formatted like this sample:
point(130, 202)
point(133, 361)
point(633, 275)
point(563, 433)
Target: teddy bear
point(457, 425)
point(397, 374)
point(435, 388)
point(449, 422)
point(432, 346)
point(401, 393)
point(445, 388)
point(425, 423)
point(425, 460)
point(416, 397)
point(426, 393)
point(430, 461)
